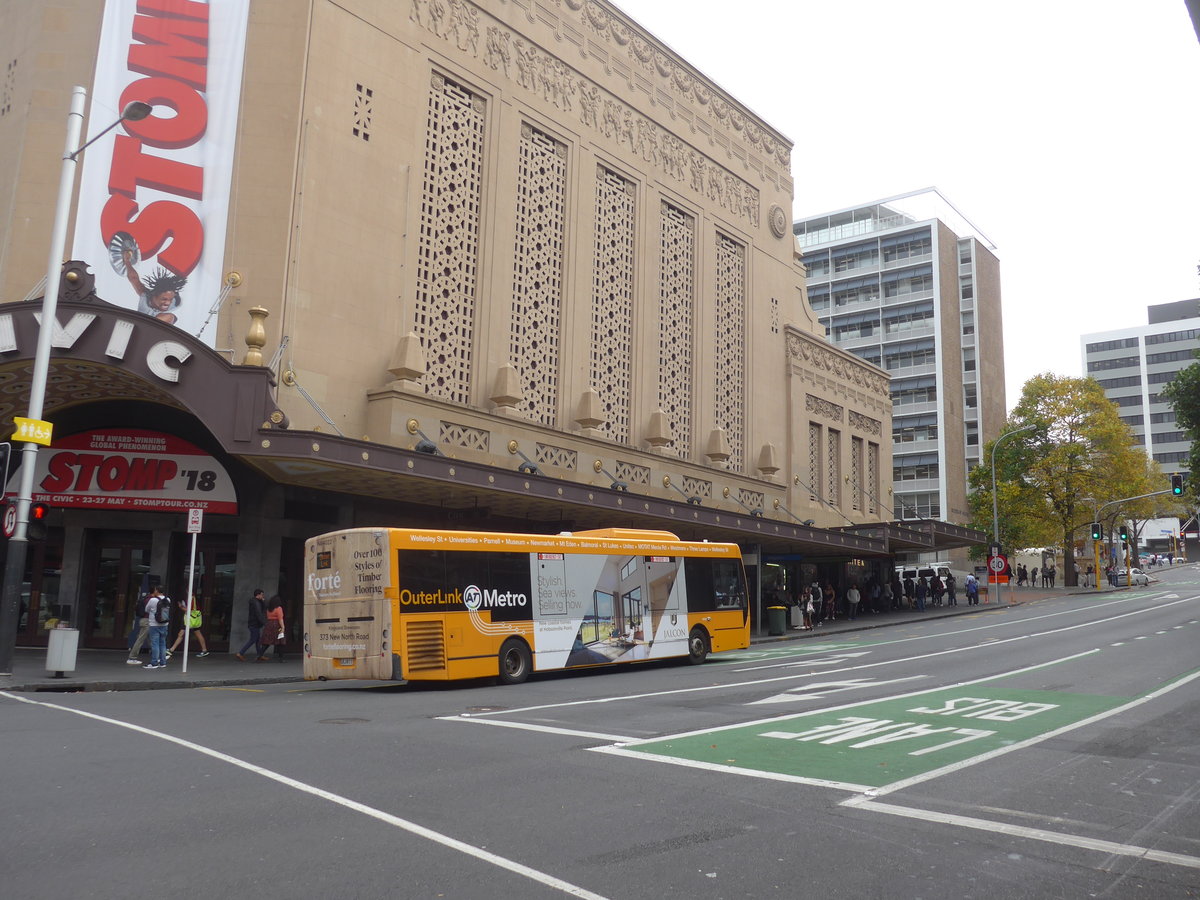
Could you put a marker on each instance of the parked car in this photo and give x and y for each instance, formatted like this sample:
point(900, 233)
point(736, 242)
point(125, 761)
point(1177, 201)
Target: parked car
point(1135, 577)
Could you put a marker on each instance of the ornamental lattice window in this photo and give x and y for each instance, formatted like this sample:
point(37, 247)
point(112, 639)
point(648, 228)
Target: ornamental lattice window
point(856, 467)
point(814, 460)
point(730, 351)
point(676, 322)
point(872, 476)
point(448, 242)
point(611, 368)
point(534, 333)
point(833, 467)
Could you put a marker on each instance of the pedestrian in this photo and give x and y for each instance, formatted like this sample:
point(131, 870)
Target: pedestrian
point(922, 593)
point(158, 612)
point(195, 621)
point(806, 609)
point(141, 626)
point(875, 592)
point(1089, 575)
point(1053, 575)
point(830, 594)
point(951, 585)
point(897, 593)
point(909, 592)
point(972, 590)
point(888, 598)
point(1033, 577)
point(818, 602)
point(937, 589)
point(275, 632)
point(256, 618)
point(852, 601)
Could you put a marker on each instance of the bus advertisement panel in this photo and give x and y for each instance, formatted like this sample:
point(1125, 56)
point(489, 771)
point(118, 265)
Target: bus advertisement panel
point(468, 604)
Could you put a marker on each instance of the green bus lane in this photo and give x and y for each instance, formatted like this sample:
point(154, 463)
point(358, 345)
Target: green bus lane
point(876, 744)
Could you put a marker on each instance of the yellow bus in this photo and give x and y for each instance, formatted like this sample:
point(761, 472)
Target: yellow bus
point(400, 604)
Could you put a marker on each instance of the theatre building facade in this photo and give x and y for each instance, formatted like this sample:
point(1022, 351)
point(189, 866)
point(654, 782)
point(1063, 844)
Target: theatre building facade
point(506, 265)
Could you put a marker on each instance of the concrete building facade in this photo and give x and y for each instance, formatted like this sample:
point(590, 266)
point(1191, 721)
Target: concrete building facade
point(1134, 364)
point(922, 302)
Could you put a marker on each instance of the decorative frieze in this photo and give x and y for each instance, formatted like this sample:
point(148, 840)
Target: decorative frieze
point(864, 424)
point(813, 351)
point(824, 408)
point(565, 89)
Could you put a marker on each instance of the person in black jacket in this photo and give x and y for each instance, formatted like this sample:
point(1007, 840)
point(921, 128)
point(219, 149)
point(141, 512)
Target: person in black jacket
point(256, 618)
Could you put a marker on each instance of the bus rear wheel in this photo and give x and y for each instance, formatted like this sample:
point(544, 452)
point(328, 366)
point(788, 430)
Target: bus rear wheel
point(697, 646)
point(515, 662)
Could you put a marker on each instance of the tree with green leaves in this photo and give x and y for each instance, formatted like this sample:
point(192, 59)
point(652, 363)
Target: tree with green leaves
point(1183, 393)
point(1075, 456)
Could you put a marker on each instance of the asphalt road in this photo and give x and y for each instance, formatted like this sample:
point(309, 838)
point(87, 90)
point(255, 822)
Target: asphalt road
point(1041, 751)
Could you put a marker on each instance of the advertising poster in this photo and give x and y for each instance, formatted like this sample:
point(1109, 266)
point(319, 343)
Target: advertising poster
point(154, 194)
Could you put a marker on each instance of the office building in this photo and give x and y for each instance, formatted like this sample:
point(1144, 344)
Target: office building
point(911, 286)
point(1133, 365)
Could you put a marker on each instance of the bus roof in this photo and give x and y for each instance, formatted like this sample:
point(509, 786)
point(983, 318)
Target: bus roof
point(604, 540)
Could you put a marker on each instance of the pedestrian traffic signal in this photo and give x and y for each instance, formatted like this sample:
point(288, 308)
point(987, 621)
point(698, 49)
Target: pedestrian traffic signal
point(1177, 484)
point(1097, 534)
point(39, 514)
point(1123, 533)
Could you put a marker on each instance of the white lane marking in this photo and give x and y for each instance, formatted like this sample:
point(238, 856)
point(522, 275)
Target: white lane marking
point(1037, 739)
point(1007, 623)
point(821, 690)
point(732, 770)
point(1021, 831)
point(385, 817)
point(828, 709)
point(545, 729)
point(983, 645)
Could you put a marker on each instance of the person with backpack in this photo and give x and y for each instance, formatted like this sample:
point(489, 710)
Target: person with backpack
point(158, 612)
point(195, 621)
point(141, 625)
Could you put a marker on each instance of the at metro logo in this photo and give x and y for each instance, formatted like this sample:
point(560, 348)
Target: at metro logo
point(169, 45)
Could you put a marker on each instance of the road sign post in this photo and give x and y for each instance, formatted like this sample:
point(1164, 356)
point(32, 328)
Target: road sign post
point(194, 527)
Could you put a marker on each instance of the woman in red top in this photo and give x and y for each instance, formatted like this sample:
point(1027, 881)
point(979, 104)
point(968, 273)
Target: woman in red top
point(274, 633)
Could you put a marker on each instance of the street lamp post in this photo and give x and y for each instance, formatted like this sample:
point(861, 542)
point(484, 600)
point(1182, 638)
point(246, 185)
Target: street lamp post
point(18, 544)
point(995, 506)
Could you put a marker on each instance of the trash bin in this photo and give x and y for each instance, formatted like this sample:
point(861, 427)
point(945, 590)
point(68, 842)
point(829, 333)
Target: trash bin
point(777, 619)
point(61, 651)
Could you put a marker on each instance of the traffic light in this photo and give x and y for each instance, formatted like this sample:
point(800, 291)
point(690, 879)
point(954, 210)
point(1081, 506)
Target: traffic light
point(1177, 484)
point(1123, 533)
point(1097, 533)
point(39, 514)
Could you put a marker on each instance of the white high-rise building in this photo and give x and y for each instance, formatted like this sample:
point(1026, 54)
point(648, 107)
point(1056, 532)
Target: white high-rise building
point(1134, 364)
point(912, 286)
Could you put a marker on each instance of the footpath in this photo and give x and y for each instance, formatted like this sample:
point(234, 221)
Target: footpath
point(106, 670)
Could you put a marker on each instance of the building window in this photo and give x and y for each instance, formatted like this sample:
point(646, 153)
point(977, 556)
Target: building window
point(448, 239)
point(676, 324)
point(610, 365)
point(540, 219)
point(729, 330)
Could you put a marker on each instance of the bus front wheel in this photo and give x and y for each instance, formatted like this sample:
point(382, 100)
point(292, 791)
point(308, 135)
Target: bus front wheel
point(697, 646)
point(514, 662)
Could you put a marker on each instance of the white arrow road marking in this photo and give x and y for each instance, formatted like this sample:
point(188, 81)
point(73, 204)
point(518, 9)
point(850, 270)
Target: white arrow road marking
point(818, 691)
point(806, 661)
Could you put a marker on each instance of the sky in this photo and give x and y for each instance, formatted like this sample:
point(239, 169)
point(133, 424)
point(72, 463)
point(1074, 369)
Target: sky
point(1064, 130)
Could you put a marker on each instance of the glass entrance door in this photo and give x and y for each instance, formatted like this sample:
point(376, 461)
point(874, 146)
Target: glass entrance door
point(212, 583)
point(117, 566)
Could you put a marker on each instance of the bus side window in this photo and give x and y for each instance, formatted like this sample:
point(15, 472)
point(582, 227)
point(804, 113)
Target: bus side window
point(422, 570)
point(714, 584)
point(729, 587)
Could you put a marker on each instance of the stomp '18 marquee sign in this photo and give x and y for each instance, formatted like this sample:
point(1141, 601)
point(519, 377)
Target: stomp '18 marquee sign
point(130, 469)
